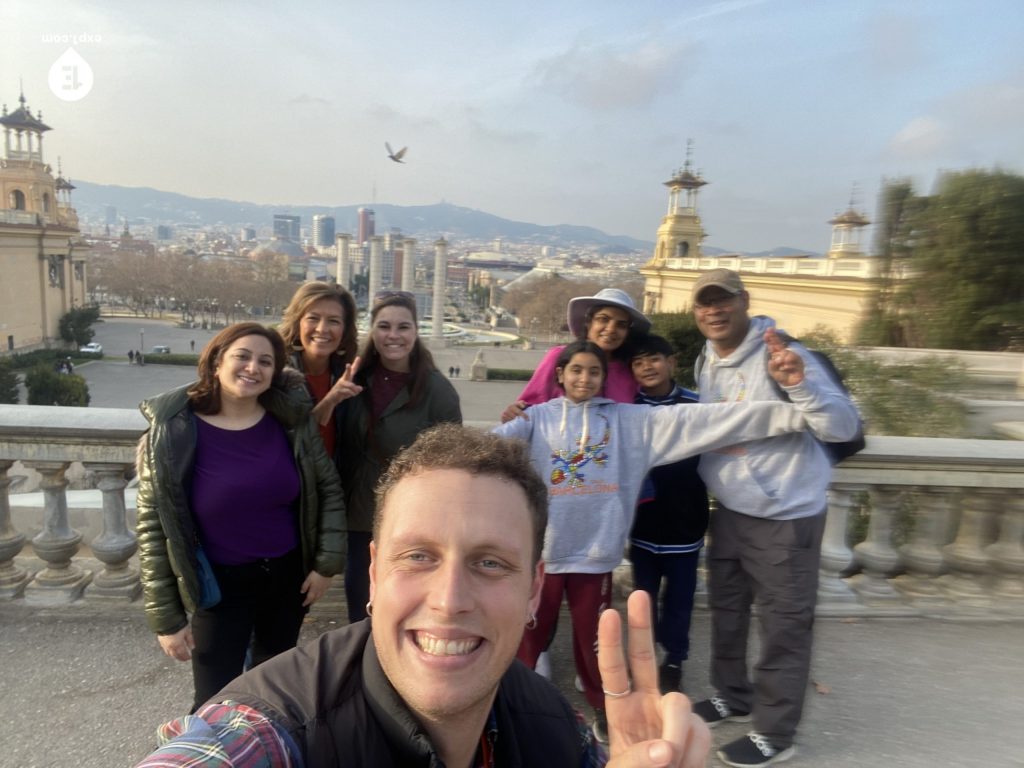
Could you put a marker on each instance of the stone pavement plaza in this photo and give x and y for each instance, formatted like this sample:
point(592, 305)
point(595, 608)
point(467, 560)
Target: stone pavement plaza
point(85, 686)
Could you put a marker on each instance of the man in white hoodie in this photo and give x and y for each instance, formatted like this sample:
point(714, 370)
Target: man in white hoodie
point(765, 537)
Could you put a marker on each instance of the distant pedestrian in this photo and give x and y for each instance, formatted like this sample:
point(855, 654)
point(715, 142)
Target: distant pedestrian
point(451, 371)
point(192, 345)
point(131, 356)
point(139, 359)
point(456, 371)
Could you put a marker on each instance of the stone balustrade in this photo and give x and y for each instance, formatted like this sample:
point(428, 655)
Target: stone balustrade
point(916, 526)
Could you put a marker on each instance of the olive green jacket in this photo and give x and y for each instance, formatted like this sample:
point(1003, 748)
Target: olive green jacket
point(166, 528)
point(365, 453)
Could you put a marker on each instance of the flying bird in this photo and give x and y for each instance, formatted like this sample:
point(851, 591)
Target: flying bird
point(396, 156)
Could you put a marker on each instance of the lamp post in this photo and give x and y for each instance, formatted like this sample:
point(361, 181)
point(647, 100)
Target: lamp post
point(142, 339)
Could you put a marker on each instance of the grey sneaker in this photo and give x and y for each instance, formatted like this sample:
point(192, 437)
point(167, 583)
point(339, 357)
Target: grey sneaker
point(717, 710)
point(754, 751)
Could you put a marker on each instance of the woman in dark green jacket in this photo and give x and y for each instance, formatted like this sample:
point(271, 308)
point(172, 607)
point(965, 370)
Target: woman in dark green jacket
point(403, 394)
point(233, 472)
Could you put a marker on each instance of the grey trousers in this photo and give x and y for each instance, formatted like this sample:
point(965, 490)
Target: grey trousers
point(773, 563)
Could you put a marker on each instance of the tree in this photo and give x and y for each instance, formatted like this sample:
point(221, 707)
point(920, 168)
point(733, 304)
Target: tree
point(952, 275)
point(8, 383)
point(47, 387)
point(680, 328)
point(76, 325)
point(911, 399)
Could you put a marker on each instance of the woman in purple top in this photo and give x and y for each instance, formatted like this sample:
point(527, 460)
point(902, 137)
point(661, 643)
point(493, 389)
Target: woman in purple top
point(609, 319)
point(233, 471)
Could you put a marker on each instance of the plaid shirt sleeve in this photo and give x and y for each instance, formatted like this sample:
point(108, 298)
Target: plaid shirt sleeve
point(594, 754)
point(226, 735)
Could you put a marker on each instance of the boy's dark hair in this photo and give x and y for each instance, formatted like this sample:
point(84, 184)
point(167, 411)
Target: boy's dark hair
point(651, 344)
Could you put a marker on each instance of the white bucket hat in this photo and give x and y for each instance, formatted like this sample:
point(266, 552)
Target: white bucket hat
point(606, 297)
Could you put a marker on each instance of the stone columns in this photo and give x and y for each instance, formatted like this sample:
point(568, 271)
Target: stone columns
point(343, 269)
point(376, 267)
point(440, 284)
point(922, 555)
point(1007, 553)
point(836, 555)
point(408, 264)
point(61, 581)
point(115, 544)
point(876, 554)
point(967, 558)
point(12, 578)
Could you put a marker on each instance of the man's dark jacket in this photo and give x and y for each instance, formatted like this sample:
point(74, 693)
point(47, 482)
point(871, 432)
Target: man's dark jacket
point(332, 697)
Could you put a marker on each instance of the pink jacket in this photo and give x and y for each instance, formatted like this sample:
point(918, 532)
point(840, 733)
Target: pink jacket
point(620, 385)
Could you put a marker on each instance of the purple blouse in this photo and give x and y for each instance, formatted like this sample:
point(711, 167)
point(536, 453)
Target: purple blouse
point(244, 488)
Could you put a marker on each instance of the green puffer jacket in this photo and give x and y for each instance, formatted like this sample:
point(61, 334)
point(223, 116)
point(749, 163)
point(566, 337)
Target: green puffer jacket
point(166, 529)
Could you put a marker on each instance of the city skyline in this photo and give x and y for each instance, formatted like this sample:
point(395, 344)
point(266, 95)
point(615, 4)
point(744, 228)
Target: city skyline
point(571, 114)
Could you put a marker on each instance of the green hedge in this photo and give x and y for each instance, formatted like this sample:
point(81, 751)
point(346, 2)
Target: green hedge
point(508, 374)
point(47, 357)
point(172, 359)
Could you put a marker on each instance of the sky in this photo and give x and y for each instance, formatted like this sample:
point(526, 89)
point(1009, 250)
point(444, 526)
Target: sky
point(547, 112)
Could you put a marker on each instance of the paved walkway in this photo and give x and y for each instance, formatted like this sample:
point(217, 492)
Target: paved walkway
point(85, 686)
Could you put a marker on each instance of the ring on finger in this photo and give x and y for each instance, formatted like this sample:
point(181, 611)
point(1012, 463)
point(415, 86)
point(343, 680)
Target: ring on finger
point(620, 694)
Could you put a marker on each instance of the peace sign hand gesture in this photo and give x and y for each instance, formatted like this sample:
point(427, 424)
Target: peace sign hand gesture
point(344, 388)
point(645, 729)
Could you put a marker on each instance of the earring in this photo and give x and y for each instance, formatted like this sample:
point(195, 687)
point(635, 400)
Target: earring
point(369, 608)
point(532, 623)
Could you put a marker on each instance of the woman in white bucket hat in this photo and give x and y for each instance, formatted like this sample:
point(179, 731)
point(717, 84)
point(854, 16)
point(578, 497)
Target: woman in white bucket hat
point(608, 318)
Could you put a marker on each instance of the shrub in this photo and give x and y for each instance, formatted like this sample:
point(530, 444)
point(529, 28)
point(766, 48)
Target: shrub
point(508, 374)
point(8, 383)
point(172, 359)
point(47, 387)
point(680, 328)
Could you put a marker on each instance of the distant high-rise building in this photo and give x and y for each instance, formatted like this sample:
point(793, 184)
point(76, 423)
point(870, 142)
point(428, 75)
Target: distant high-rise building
point(323, 231)
point(246, 234)
point(367, 227)
point(287, 227)
point(164, 232)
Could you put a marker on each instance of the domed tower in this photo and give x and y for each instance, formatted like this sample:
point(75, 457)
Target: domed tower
point(847, 228)
point(42, 257)
point(27, 183)
point(681, 233)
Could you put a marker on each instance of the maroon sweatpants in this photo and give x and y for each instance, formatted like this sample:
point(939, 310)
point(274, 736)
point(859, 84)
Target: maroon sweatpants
point(588, 594)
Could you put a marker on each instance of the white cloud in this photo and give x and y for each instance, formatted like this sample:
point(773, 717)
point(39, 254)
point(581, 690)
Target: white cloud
point(921, 138)
point(611, 76)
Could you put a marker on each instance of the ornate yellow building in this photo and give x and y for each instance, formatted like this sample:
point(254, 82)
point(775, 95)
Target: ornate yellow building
point(800, 292)
point(42, 260)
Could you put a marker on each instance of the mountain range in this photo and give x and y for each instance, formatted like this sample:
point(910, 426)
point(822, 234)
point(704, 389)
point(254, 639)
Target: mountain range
point(154, 206)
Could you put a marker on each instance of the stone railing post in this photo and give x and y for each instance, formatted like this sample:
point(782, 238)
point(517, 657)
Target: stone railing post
point(1007, 554)
point(12, 578)
point(876, 554)
point(836, 555)
point(968, 561)
point(115, 544)
point(60, 581)
point(922, 555)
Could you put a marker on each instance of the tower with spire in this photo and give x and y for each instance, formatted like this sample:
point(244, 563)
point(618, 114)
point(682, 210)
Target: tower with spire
point(847, 228)
point(681, 232)
point(42, 257)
